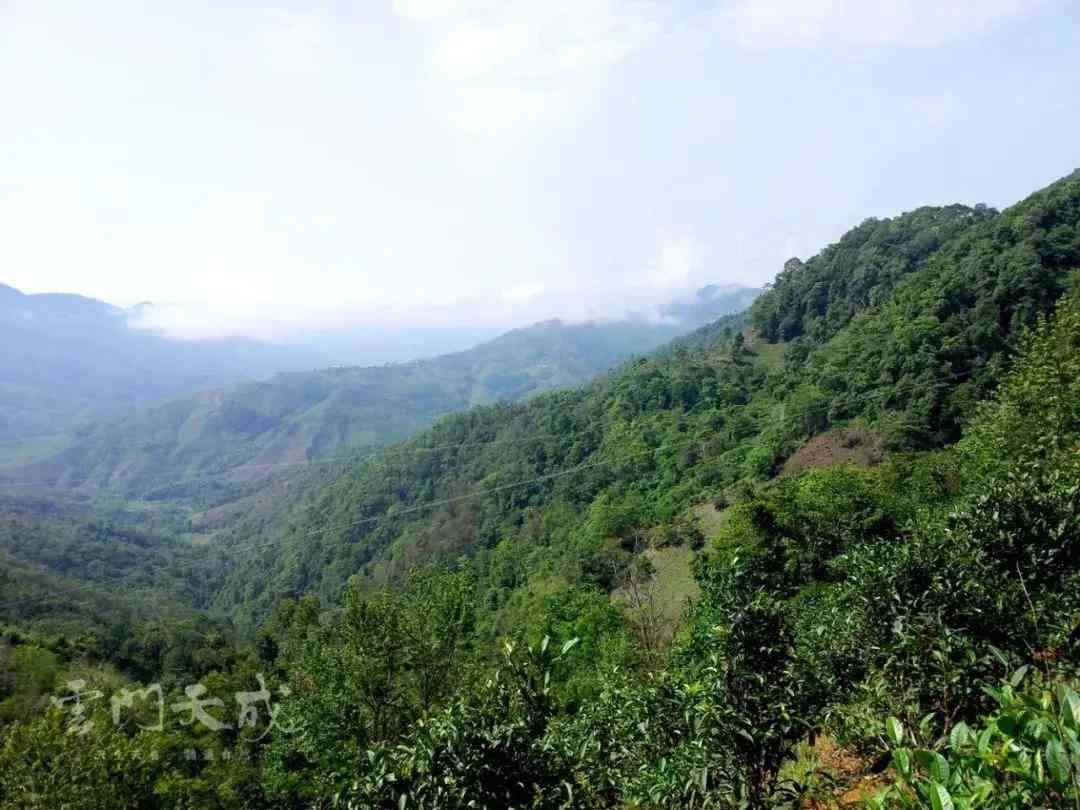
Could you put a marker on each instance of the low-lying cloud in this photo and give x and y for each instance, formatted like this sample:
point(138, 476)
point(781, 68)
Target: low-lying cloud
point(674, 271)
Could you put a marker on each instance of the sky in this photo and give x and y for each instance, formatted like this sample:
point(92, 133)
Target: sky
point(262, 169)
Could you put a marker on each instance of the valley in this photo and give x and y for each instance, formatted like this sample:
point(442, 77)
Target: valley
point(599, 565)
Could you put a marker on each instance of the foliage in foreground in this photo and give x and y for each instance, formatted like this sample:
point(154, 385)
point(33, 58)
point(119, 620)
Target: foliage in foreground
point(1025, 754)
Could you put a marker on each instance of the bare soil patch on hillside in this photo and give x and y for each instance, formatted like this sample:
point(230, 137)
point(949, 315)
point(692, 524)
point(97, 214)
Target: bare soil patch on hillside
point(858, 446)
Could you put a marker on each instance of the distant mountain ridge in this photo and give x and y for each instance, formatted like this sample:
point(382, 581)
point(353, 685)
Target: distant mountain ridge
point(69, 359)
point(215, 438)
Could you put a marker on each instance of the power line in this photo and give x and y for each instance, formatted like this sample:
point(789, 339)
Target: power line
point(370, 519)
point(359, 455)
point(362, 454)
point(420, 507)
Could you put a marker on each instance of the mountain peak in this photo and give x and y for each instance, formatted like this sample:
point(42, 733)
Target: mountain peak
point(9, 292)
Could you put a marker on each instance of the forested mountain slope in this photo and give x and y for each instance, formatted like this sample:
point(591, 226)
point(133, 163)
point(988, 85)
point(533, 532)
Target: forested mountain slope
point(70, 360)
point(918, 324)
point(467, 619)
point(202, 444)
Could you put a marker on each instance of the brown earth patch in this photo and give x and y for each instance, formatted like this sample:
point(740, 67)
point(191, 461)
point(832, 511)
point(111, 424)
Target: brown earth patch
point(855, 782)
point(857, 446)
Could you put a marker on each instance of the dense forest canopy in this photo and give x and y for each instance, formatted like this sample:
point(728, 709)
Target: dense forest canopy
point(825, 551)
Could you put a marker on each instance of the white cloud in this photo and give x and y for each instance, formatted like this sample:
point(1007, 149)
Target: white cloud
point(428, 11)
point(677, 258)
point(764, 24)
point(495, 111)
point(521, 293)
point(293, 42)
point(504, 69)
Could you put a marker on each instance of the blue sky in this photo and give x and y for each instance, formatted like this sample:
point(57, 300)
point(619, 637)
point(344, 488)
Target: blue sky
point(258, 169)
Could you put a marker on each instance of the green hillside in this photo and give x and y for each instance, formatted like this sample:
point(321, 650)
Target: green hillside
point(873, 477)
point(209, 444)
point(699, 418)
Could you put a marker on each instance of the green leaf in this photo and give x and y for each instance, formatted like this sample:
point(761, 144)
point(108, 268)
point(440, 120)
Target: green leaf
point(959, 735)
point(1057, 761)
point(981, 793)
point(940, 768)
point(895, 731)
point(935, 764)
point(985, 738)
point(902, 761)
point(1070, 707)
point(1008, 726)
point(569, 645)
point(940, 799)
